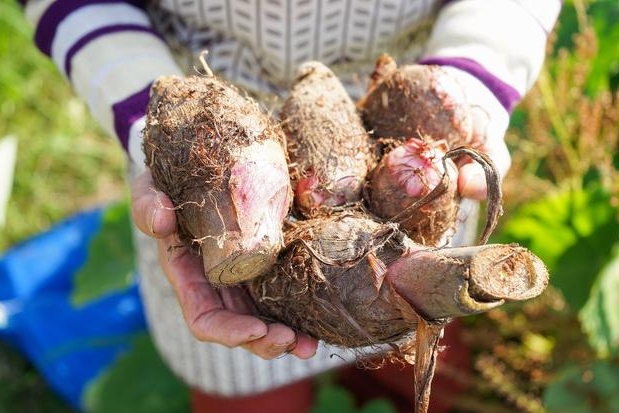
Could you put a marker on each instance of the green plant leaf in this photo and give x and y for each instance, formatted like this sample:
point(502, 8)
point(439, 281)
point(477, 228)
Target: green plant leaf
point(573, 232)
point(566, 28)
point(587, 389)
point(110, 264)
point(378, 406)
point(518, 120)
point(605, 67)
point(602, 15)
point(333, 399)
point(138, 382)
point(600, 315)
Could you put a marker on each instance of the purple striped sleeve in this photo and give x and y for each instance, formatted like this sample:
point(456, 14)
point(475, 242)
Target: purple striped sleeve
point(507, 95)
point(127, 111)
point(57, 12)
point(80, 43)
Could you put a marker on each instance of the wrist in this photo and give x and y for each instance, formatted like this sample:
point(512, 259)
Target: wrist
point(134, 144)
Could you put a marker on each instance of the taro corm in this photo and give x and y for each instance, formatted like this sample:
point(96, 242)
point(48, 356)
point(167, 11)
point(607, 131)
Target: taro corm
point(329, 148)
point(222, 161)
point(361, 259)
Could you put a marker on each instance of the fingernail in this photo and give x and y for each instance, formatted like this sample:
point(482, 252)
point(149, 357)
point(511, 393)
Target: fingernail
point(280, 348)
point(158, 206)
point(255, 337)
point(152, 221)
point(292, 346)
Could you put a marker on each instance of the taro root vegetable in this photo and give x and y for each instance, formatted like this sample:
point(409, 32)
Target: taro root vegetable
point(222, 162)
point(415, 185)
point(404, 176)
point(405, 105)
point(414, 100)
point(353, 282)
point(328, 146)
point(337, 274)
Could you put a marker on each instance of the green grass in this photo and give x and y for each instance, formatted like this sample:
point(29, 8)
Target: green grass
point(64, 164)
point(64, 161)
point(22, 389)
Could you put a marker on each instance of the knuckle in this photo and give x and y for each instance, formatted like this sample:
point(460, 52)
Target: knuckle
point(201, 327)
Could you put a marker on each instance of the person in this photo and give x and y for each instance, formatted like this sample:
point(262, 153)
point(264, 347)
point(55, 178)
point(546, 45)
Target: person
point(111, 51)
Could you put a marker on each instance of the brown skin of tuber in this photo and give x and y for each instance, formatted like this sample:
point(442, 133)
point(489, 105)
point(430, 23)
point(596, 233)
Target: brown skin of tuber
point(222, 315)
point(329, 149)
point(416, 108)
point(353, 282)
point(222, 162)
point(425, 101)
point(345, 279)
point(404, 176)
point(416, 100)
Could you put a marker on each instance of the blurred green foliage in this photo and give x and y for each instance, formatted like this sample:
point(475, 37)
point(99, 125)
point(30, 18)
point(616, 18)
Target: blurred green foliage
point(22, 389)
point(111, 263)
point(589, 389)
point(64, 162)
point(576, 233)
point(603, 16)
point(138, 382)
point(331, 398)
point(600, 315)
point(573, 231)
point(565, 207)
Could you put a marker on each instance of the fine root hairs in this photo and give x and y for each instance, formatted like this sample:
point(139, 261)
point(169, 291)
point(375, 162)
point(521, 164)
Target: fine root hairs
point(202, 59)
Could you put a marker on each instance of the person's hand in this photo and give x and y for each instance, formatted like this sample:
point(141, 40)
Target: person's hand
point(217, 315)
point(488, 123)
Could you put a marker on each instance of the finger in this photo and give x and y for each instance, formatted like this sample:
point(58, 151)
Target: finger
point(472, 182)
point(498, 152)
point(275, 344)
point(218, 325)
point(279, 340)
point(237, 299)
point(471, 176)
point(305, 347)
point(152, 211)
point(202, 307)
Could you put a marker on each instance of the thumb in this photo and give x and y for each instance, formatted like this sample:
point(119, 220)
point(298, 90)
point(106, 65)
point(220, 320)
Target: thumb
point(471, 176)
point(152, 211)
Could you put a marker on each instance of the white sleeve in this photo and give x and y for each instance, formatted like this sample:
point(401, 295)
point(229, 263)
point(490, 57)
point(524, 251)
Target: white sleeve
point(501, 42)
point(110, 54)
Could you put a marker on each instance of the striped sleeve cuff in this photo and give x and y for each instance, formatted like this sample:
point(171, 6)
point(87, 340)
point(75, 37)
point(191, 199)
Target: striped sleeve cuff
point(501, 42)
point(507, 96)
point(111, 55)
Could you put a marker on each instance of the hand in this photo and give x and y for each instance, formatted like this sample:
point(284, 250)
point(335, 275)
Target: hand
point(217, 315)
point(489, 121)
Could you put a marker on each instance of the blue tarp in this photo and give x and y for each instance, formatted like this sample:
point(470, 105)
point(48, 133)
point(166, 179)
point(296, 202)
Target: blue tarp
point(69, 345)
